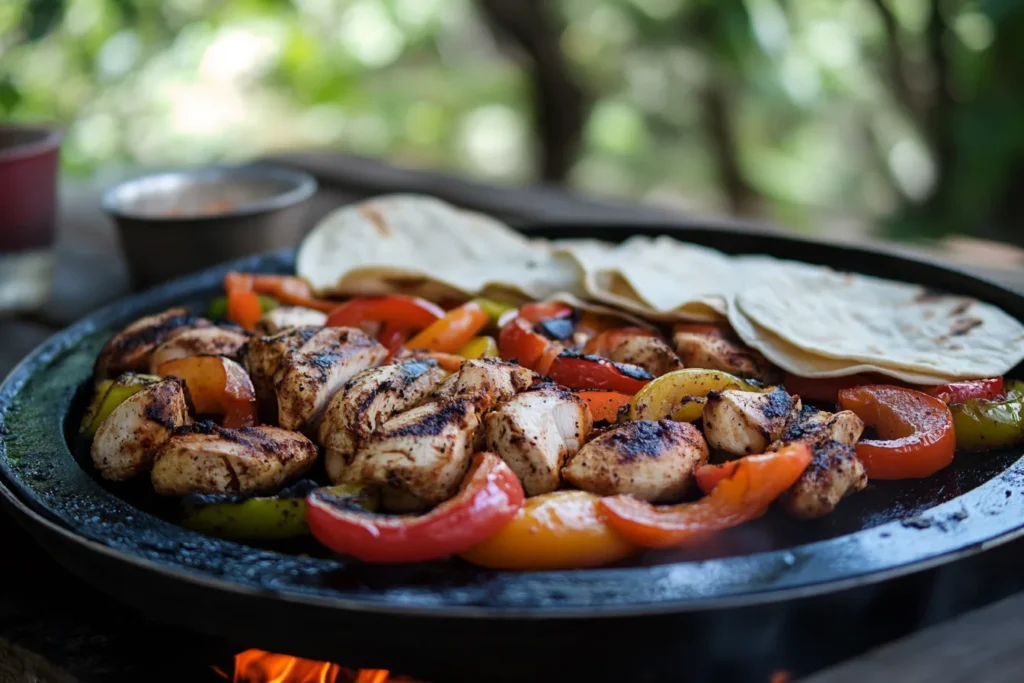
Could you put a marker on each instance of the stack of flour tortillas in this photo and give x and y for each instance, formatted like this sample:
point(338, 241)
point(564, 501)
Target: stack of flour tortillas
point(809, 320)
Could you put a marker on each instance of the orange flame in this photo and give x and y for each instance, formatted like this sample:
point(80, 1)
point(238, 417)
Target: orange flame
point(260, 666)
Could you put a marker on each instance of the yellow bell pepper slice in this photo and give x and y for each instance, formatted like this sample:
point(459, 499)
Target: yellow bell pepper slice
point(494, 309)
point(480, 347)
point(109, 395)
point(681, 394)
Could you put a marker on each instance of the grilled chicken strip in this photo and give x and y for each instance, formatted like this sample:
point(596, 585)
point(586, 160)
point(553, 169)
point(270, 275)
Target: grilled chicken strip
point(366, 402)
point(297, 372)
point(651, 460)
point(200, 341)
point(720, 352)
point(492, 379)
point(129, 350)
point(536, 431)
point(286, 317)
point(261, 358)
point(126, 441)
point(650, 353)
point(746, 422)
point(205, 458)
point(419, 457)
point(834, 472)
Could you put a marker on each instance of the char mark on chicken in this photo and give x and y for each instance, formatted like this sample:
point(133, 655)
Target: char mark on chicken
point(747, 422)
point(130, 349)
point(651, 460)
point(536, 431)
point(367, 401)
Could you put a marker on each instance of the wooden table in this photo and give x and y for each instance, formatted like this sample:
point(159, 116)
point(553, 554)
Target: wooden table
point(985, 645)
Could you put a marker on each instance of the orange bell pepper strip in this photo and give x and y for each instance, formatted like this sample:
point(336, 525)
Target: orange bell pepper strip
point(916, 430)
point(709, 476)
point(244, 308)
point(217, 386)
point(291, 290)
point(552, 531)
point(745, 495)
point(451, 332)
point(604, 405)
point(489, 497)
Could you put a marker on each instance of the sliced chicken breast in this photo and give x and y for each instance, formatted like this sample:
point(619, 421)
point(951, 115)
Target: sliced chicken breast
point(419, 457)
point(126, 441)
point(129, 350)
point(205, 458)
point(287, 317)
point(492, 379)
point(652, 460)
point(308, 377)
point(834, 472)
point(200, 341)
point(368, 400)
point(261, 358)
point(536, 431)
point(747, 422)
point(720, 352)
point(650, 353)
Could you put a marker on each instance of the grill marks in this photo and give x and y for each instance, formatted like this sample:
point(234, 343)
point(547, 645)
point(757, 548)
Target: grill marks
point(130, 349)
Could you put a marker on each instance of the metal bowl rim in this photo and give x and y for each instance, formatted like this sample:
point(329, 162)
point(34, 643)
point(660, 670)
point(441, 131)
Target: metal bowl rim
point(303, 187)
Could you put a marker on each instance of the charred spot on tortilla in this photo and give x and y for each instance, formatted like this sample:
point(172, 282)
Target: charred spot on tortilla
point(962, 327)
point(373, 214)
point(961, 308)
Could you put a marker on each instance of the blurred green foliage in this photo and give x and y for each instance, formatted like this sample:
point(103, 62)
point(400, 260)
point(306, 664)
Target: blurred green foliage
point(906, 113)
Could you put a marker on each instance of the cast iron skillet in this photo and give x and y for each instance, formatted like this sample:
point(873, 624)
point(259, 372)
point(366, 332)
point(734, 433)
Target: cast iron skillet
point(449, 614)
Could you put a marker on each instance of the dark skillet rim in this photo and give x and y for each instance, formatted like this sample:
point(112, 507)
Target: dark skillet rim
point(873, 541)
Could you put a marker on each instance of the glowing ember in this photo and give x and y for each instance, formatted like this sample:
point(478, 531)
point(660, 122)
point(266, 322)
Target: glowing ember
point(260, 666)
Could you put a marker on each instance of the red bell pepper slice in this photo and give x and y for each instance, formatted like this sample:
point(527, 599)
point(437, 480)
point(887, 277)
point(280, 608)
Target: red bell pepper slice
point(606, 342)
point(545, 310)
point(959, 392)
point(410, 311)
point(593, 372)
point(394, 335)
point(291, 290)
point(745, 495)
point(451, 332)
point(826, 389)
point(490, 496)
point(916, 430)
point(605, 405)
point(518, 342)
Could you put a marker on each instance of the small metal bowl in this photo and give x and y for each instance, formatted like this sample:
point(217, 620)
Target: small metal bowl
point(177, 222)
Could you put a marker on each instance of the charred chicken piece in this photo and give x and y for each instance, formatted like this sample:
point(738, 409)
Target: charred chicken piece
point(834, 472)
point(200, 341)
point(720, 351)
point(262, 357)
point(419, 457)
point(747, 422)
point(287, 317)
point(366, 402)
point(125, 442)
point(297, 372)
point(129, 350)
point(492, 380)
point(205, 458)
point(651, 460)
point(650, 353)
point(536, 431)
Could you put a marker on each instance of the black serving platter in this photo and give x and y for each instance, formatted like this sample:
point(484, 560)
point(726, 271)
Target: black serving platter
point(447, 616)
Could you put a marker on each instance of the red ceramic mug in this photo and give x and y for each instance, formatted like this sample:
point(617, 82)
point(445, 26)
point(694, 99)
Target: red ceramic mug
point(29, 157)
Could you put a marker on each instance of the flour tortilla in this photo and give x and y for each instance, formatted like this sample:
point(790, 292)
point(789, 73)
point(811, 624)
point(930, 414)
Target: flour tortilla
point(420, 245)
point(659, 278)
point(803, 364)
point(859, 319)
